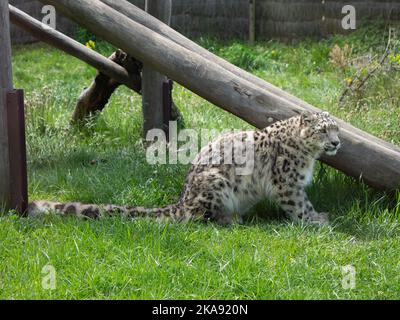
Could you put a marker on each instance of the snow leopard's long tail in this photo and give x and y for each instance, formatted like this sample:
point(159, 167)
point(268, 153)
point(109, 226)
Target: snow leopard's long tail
point(93, 211)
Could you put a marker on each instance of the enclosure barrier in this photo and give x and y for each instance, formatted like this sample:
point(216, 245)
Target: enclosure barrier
point(250, 98)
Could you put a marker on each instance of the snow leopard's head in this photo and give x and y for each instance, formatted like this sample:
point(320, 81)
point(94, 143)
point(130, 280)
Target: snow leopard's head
point(321, 132)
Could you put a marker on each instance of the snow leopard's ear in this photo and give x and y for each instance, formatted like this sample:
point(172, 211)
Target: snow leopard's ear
point(323, 114)
point(305, 117)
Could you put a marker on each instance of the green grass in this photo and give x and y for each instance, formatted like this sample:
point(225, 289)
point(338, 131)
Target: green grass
point(267, 258)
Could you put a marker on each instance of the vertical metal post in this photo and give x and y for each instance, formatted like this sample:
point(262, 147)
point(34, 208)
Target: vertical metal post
point(17, 151)
point(167, 105)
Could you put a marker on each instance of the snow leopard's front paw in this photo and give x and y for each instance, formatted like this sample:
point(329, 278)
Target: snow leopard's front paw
point(320, 219)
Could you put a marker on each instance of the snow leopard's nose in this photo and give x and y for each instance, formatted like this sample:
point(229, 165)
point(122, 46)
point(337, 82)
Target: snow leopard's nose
point(335, 143)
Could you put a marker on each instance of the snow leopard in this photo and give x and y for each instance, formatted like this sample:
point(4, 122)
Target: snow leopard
point(282, 160)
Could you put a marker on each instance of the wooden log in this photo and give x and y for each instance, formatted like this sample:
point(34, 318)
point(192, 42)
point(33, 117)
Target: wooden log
point(152, 80)
point(6, 85)
point(378, 163)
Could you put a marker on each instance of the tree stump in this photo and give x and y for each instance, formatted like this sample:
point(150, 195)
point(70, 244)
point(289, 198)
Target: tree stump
point(94, 98)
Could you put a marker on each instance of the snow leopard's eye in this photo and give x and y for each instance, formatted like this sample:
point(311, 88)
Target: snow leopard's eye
point(323, 130)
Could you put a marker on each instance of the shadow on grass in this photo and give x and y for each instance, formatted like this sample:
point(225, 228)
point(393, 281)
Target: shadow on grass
point(353, 207)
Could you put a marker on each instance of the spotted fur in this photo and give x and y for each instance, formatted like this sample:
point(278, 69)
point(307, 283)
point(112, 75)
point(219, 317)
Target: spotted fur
point(284, 158)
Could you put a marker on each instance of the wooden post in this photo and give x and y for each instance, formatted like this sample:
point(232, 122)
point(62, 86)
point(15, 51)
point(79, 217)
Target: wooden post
point(153, 81)
point(5, 86)
point(252, 21)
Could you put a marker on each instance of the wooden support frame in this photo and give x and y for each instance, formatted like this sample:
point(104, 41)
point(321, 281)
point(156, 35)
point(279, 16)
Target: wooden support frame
point(141, 17)
point(153, 104)
point(246, 96)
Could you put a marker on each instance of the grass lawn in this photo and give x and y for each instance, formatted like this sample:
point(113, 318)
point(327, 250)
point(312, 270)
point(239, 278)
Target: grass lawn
point(266, 258)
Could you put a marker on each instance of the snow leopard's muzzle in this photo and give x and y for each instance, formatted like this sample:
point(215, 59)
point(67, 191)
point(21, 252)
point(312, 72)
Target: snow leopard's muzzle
point(332, 147)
